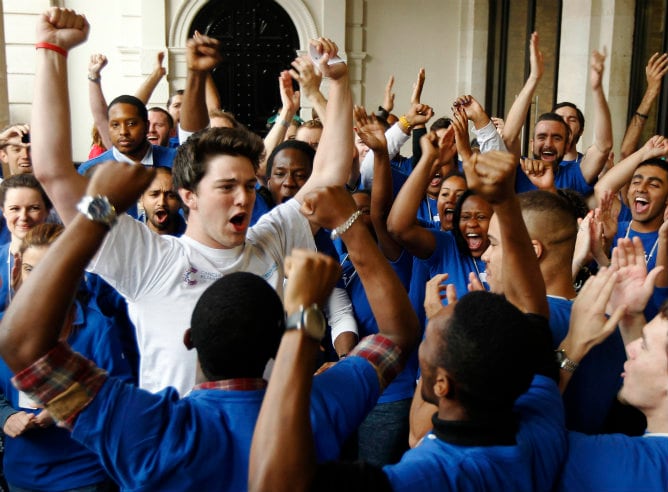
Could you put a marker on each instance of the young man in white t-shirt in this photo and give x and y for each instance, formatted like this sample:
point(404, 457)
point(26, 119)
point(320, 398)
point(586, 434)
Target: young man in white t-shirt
point(162, 277)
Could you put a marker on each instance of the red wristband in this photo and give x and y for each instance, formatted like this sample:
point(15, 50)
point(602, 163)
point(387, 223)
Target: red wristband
point(52, 47)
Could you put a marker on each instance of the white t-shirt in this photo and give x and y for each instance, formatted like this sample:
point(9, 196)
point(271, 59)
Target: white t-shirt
point(162, 277)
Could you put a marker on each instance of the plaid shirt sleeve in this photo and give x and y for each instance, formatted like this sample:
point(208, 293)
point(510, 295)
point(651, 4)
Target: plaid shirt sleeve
point(63, 381)
point(385, 356)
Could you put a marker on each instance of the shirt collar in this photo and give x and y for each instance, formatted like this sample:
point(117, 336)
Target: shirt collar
point(498, 432)
point(237, 384)
point(147, 160)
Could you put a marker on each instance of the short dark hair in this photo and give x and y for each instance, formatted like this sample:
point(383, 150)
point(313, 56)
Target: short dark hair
point(657, 162)
point(299, 145)
point(233, 338)
point(133, 101)
point(577, 201)
point(178, 92)
point(567, 104)
point(440, 124)
point(554, 213)
point(190, 163)
point(554, 117)
point(23, 181)
point(157, 109)
point(485, 346)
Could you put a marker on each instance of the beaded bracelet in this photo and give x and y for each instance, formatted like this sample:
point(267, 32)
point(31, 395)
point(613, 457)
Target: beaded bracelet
point(346, 225)
point(404, 122)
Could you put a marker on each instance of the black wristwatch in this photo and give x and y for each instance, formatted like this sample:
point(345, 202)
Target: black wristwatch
point(310, 320)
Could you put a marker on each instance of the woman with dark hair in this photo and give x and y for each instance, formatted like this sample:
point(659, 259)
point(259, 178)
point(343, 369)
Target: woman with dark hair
point(456, 252)
point(39, 455)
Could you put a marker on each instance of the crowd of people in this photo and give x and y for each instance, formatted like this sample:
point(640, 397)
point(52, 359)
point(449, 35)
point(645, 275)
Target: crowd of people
point(196, 307)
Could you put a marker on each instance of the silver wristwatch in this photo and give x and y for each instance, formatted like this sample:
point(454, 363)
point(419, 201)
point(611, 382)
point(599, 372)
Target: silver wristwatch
point(98, 209)
point(564, 362)
point(310, 320)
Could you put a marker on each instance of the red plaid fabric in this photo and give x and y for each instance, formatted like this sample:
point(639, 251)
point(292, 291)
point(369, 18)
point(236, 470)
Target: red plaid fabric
point(384, 354)
point(239, 384)
point(54, 374)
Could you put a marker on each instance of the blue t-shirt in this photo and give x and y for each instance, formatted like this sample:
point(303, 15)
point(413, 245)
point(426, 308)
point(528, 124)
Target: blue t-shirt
point(651, 246)
point(593, 387)
point(533, 464)
point(403, 386)
point(204, 438)
point(615, 462)
point(162, 157)
point(568, 175)
point(447, 258)
point(49, 459)
point(6, 265)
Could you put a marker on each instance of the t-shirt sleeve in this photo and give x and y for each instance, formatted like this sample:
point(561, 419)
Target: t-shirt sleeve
point(131, 257)
point(281, 230)
point(383, 354)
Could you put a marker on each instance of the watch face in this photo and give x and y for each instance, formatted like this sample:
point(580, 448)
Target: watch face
point(314, 322)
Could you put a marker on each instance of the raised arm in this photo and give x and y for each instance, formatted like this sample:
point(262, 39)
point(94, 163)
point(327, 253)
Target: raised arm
point(98, 104)
point(372, 134)
point(151, 82)
point(289, 107)
point(597, 154)
point(402, 221)
point(51, 133)
point(518, 111)
point(309, 78)
point(621, 174)
point(492, 176)
point(282, 442)
point(29, 329)
point(332, 208)
point(656, 68)
point(202, 56)
point(334, 156)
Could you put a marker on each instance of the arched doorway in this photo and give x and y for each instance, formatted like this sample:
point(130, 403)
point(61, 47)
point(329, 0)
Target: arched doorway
point(258, 40)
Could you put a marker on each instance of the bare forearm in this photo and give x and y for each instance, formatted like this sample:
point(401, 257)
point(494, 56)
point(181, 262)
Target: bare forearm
point(597, 155)
point(407, 203)
point(333, 159)
point(211, 96)
point(620, 174)
point(147, 87)
point(518, 112)
point(381, 202)
point(637, 124)
point(51, 135)
point(98, 108)
point(275, 136)
point(523, 280)
point(194, 115)
point(29, 329)
point(387, 296)
point(282, 452)
point(319, 104)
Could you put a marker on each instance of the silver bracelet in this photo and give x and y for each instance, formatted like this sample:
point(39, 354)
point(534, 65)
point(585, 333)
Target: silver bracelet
point(346, 225)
